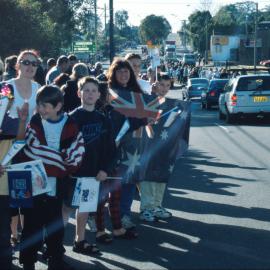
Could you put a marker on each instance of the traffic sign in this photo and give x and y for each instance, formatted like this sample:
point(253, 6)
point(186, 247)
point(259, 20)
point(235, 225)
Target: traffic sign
point(84, 46)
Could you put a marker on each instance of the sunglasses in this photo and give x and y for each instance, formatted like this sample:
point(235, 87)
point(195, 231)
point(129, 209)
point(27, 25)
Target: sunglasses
point(27, 63)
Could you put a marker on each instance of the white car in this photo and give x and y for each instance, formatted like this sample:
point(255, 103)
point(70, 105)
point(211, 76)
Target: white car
point(245, 96)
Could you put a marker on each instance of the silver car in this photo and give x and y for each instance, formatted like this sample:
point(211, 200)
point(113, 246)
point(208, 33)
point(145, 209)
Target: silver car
point(195, 86)
point(245, 95)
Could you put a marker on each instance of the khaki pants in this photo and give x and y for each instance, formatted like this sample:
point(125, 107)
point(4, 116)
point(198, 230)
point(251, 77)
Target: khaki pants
point(151, 194)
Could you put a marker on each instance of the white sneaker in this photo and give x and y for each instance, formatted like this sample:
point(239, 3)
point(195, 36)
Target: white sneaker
point(160, 212)
point(92, 224)
point(147, 215)
point(127, 223)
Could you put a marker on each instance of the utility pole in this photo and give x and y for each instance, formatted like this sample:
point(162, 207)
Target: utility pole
point(95, 9)
point(111, 32)
point(206, 42)
point(185, 35)
point(255, 38)
point(105, 17)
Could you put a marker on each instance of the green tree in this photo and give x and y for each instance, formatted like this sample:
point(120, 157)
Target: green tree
point(198, 28)
point(34, 24)
point(238, 18)
point(121, 18)
point(154, 28)
point(24, 26)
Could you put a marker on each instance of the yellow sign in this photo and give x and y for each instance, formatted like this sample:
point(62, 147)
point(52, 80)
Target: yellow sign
point(260, 99)
point(220, 40)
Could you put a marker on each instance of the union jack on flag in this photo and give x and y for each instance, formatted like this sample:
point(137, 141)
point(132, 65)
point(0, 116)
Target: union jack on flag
point(137, 105)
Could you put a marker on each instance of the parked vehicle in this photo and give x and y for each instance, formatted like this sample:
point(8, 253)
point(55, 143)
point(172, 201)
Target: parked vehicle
point(189, 59)
point(265, 63)
point(210, 96)
point(195, 86)
point(245, 95)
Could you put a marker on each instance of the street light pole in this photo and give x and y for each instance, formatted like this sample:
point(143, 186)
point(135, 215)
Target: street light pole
point(95, 10)
point(206, 42)
point(255, 38)
point(111, 31)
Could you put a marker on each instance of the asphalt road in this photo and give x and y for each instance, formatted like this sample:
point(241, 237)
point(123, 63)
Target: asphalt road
point(219, 197)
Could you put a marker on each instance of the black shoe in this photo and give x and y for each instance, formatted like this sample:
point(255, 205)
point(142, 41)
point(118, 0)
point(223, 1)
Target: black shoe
point(28, 266)
point(85, 248)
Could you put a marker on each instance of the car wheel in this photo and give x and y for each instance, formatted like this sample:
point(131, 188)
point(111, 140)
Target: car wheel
point(221, 116)
point(229, 118)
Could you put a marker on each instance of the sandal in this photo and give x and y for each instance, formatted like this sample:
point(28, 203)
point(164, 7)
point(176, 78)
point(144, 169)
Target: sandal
point(129, 234)
point(104, 239)
point(85, 248)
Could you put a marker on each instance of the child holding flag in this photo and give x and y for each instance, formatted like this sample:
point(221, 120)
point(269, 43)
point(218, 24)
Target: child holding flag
point(152, 192)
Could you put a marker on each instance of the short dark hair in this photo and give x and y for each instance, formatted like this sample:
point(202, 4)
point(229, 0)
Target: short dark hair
point(51, 62)
point(83, 81)
point(61, 60)
point(72, 57)
point(130, 56)
point(164, 77)
point(49, 94)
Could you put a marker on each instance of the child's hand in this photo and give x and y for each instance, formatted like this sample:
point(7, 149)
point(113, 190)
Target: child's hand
point(101, 176)
point(23, 112)
point(2, 170)
point(155, 87)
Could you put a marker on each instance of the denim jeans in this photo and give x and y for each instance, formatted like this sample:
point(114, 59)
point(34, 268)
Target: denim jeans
point(127, 195)
point(5, 232)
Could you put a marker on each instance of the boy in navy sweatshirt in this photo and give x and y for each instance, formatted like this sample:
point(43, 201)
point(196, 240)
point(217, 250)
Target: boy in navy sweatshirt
point(100, 146)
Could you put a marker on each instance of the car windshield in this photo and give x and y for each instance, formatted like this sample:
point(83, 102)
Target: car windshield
point(189, 56)
point(254, 84)
point(217, 84)
point(199, 81)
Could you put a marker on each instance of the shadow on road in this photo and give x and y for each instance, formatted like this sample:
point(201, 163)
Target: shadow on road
point(185, 244)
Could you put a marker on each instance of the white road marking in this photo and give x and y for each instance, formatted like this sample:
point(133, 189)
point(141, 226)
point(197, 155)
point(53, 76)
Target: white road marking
point(222, 127)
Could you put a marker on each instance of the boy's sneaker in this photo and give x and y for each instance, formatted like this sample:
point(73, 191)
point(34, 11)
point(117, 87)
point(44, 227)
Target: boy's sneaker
point(147, 215)
point(127, 223)
point(160, 212)
point(92, 224)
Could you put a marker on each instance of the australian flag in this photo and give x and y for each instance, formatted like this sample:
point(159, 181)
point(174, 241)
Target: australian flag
point(149, 153)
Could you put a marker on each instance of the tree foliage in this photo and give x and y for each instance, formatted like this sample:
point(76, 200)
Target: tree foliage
point(230, 19)
point(198, 29)
point(154, 28)
point(121, 18)
point(32, 24)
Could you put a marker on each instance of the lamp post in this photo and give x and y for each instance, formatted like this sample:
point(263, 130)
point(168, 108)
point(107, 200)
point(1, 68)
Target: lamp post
point(255, 38)
point(206, 42)
point(111, 31)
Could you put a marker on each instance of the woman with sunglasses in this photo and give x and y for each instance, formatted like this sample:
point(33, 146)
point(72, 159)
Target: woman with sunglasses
point(24, 93)
point(25, 88)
